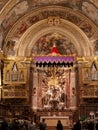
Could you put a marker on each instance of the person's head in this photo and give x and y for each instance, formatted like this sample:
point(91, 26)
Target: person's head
point(43, 120)
point(59, 121)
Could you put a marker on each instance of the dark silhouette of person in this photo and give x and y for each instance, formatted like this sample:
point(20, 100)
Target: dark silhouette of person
point(14, 125)
point(25, 124)
point(77, 126)
point(59, 125)
point(74, 126)
point(97, 125)
point(90, 125)
point(4, 125)
point(43, 125)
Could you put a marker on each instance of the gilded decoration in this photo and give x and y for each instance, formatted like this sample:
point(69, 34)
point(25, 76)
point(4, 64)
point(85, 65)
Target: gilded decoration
point(54, 90)
point(14, 91)
point(71, 16)
point(53, 21)
point(14, 79)
point(84, 6)
point(14, 73)
point(89, 68)
point(29, 20)
point(65, 29)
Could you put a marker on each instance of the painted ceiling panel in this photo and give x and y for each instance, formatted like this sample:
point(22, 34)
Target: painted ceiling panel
point(14, 12)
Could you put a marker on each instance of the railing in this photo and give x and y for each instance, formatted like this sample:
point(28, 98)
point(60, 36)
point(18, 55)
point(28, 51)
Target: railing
point(89, 92)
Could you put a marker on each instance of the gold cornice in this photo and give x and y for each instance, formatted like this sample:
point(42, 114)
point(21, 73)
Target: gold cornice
point(30, 59)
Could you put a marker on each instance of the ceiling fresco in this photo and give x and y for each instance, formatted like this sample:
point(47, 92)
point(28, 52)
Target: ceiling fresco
point(46, 42)
point(77, 19)
point(22, 7)
point(18, 16)
point(2, 3)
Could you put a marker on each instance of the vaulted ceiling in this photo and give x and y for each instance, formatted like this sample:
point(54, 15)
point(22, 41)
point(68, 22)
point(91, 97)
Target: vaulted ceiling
point(30, 27)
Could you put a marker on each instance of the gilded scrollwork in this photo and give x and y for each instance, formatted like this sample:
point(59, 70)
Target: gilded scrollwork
point(89, 70)
point(89, 88)
point(14, 72)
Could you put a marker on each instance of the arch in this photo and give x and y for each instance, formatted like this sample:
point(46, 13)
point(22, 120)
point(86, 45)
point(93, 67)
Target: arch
point(80, 25)
point(29, 38)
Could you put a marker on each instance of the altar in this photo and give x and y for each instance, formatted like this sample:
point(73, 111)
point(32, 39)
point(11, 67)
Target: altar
point(52, 120)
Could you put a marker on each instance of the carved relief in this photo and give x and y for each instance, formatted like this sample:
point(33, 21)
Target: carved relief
point(53, 21)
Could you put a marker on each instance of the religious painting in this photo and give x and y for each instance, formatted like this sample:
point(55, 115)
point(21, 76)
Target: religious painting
point(45, 43)
point(90, 10)
point(2, 3)
point(72, 3)
point(10, 48)
point(22, 28)
point(19, 9)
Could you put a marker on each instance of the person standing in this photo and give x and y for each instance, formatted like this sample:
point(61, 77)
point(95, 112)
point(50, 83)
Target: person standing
point(14, 125)
point(77, 125)
point(97, 125)
point(91, 125)
point(43, 125)
point(59, 125)
point(32, 125)
point(25, 125)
